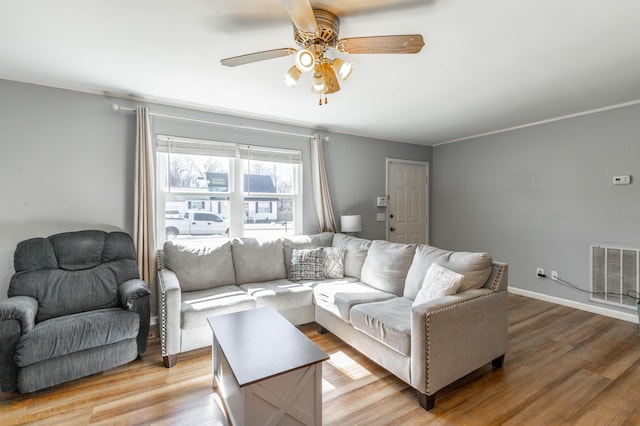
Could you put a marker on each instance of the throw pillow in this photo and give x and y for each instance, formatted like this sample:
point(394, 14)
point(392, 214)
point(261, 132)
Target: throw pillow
point(438, 282)
point(307, 264)
point(334, 262)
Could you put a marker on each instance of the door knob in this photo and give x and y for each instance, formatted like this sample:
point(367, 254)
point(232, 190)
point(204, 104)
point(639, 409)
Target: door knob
point(392, 229)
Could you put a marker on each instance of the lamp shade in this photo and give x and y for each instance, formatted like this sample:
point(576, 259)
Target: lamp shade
point(351, 223)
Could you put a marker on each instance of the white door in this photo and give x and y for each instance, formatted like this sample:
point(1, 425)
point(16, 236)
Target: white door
point(407, 206)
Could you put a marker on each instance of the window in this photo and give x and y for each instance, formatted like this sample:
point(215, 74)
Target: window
point(220, 188)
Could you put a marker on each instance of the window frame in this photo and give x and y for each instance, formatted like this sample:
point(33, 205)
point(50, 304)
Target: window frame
point(235, 191)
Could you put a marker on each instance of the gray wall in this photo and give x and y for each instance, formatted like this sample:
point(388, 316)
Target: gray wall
point(356, 170)
point(67, 163)
point(540, 196)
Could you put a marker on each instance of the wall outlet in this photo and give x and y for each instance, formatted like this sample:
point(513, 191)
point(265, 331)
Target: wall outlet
point(554, 275)
point(540, 272)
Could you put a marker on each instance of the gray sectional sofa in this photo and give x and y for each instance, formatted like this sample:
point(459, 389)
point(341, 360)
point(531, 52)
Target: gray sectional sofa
point(427, 315)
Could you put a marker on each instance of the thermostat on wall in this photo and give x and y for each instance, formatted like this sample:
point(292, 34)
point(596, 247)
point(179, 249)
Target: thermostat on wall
point(622, 180)
point(381, 201)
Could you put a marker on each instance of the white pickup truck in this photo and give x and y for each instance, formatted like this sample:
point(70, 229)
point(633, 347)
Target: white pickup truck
point(196, 222)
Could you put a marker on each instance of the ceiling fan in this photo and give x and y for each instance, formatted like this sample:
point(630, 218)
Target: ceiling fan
point(316, 33)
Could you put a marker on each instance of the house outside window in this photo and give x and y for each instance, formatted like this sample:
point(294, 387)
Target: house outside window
point(255, 191)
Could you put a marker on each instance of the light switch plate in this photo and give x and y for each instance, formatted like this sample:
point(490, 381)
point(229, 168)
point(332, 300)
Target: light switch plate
point(380, 217)
point(622, 180)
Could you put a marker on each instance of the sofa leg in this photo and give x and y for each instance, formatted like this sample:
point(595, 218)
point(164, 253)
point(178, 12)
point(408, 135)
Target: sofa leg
point(321, 329)
point(170, 360)
point(426, 401)
point(498, 362)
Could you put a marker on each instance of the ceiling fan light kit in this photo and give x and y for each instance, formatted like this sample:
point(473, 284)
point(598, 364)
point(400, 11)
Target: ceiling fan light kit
point(316, 31)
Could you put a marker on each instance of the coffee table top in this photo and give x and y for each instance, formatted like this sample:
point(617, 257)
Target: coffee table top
point(260, 343)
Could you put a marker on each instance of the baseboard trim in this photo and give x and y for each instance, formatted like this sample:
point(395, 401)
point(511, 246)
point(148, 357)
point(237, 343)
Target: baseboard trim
point(577, 305)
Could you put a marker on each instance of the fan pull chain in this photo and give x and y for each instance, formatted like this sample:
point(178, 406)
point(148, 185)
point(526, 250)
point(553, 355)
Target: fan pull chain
point(325, 99)
point(320, 101)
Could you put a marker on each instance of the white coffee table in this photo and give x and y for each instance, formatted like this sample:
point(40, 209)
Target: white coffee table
point(266, 371)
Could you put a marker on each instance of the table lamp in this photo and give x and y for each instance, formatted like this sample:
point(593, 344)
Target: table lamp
point(350, 224)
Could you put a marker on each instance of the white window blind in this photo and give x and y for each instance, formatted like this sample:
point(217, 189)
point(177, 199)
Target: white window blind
point(225, 149)
point(196, 147)
point(276, 155)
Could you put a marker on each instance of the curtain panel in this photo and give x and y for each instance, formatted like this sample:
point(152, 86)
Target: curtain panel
point(144, 204)
point(321, 195)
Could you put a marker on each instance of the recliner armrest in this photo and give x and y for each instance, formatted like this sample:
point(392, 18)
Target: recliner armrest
point(130, 291)
point(134, 297)
point(17, 317)
point(20, 308)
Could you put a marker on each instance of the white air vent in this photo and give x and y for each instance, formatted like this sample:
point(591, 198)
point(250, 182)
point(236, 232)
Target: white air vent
point(615, 271)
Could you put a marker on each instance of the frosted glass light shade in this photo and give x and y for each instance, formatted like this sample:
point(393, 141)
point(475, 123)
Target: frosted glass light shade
point(292, 76)
point(343, 69)
point(305, 60)
point(318, 83)
point(351, 223)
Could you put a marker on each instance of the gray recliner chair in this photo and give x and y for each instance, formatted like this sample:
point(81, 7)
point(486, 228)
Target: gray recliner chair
point(76, 307)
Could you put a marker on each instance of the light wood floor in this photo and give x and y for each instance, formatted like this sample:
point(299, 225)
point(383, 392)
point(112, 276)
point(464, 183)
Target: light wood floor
point(564, 366)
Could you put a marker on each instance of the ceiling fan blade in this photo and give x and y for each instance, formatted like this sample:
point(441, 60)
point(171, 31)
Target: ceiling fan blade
point(257, 56)
point(301, 14)
point(410, 43)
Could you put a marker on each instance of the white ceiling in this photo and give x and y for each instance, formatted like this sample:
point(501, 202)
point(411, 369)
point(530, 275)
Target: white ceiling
point(487, 65)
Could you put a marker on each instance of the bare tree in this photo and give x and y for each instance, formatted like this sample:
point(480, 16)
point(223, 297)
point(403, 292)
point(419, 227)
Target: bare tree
point(183, 171)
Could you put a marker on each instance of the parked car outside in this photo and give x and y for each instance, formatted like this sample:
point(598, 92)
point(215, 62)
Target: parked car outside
point(196, 222)
point(172, 214)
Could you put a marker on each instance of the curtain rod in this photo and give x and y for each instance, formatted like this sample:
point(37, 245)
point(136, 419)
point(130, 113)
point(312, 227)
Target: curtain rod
point(117, 107)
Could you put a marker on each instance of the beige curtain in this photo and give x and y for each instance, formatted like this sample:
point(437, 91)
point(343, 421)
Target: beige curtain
point(143, 227)
point(321, 195)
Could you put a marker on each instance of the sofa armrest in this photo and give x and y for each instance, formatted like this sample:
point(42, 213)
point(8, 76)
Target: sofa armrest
point(455, 335)
point(169, 303)
point(134, 297)
point(17, 317)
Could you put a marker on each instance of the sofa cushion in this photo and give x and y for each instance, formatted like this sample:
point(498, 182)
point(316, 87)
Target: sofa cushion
point(386, 266)
point(280, 294)
point(388, 321)
point(198, 305)
point(475, 267)
point(289, 243)
point(338, 297)
point(307, 264)
point(438, 282)
point(334, 262)
point(257, 260)
point(355, 255)
point(77, 332)
point(200, 266)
